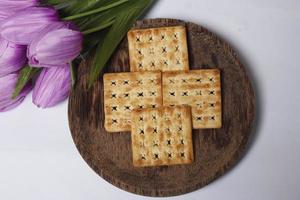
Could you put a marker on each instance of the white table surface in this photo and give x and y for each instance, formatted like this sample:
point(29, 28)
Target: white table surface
point(38, 160)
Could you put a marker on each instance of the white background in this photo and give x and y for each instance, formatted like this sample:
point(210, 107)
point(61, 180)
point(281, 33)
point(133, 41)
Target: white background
point(38, 160)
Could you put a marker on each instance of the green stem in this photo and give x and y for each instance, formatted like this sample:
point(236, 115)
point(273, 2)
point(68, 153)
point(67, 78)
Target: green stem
point(96, 29)
point(95, 10)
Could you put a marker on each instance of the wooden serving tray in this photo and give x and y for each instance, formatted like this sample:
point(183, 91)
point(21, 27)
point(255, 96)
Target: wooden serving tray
point(216, 150)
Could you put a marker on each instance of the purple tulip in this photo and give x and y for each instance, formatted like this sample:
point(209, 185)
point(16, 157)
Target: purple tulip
point(52, 86)
point(10, 7)
point(25, 25)
point(12, 57)
point(57, 44)
point(7, 87)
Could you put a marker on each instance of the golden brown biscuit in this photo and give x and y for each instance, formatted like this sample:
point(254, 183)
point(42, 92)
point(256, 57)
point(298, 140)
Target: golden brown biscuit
point(201, 89)
point(162, 136)
point(163, 49)
point(124, 92)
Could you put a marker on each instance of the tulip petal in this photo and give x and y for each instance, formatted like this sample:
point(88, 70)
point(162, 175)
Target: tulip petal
point(52, 86)
point(7, 86)
point(25, 25)
point(10, 7)
point(58, 43)
point(12, 57)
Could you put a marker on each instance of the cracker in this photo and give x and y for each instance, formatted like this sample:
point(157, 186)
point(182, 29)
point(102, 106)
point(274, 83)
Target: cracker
point(201, 89)
point(124, 92)
point(162, 136)
point(163, 49)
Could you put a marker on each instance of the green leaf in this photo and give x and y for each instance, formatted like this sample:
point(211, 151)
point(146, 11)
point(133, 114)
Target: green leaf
point(103, 17)
point(101, 20)
point(98, 28)
point(55, 2)
point(97, 10)
point(98, 20)
point(91, 41)
point(25, 76)
point(80, 6)
point(123, 22)
point(83, 5)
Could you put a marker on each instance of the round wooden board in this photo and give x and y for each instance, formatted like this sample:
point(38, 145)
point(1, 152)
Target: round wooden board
point(215, 150)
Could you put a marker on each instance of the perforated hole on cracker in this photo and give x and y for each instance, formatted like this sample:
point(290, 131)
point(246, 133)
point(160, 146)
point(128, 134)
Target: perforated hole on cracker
point(201, 89)
point(124, 92)
point(162, 49)
point(162, 136)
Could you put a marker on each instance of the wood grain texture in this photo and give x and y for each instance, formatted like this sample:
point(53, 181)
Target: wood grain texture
point(215, 150)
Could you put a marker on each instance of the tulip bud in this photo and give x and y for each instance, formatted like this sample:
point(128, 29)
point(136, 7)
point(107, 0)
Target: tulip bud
point(10, 7)
point(25, 25)
point(65, 45)
point(7, 87)
point(52, 86)
point(12, 57)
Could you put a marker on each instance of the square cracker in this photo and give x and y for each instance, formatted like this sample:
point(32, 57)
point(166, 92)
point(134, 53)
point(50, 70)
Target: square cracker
point(163, 49)
point(162, 136)
point(201, 89)
point(124, 92)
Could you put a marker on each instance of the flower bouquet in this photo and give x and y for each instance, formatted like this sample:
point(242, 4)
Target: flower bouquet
point(42, 42)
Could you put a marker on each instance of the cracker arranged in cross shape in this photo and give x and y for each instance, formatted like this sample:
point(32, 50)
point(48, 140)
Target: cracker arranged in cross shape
point(124, 92)
point(162, 136)
point(201, 89)
point(162, 49)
